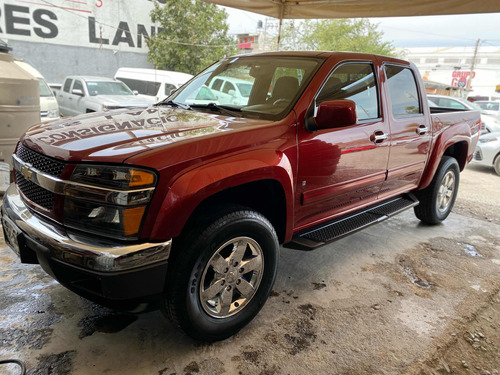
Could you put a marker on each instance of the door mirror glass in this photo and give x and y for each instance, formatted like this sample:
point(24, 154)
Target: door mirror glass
point(336, 114)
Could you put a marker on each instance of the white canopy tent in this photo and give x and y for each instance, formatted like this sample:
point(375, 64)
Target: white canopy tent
point(303, 9)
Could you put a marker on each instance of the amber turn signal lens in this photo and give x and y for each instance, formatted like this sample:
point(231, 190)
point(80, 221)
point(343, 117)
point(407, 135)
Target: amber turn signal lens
point(141, 178)
point(132, 218)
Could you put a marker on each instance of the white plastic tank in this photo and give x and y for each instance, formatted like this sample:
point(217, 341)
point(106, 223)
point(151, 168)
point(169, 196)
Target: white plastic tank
point(19, 105)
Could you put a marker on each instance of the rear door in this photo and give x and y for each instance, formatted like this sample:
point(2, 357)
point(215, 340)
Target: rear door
point(410, 129)
point(343, 168)
point(63, 97)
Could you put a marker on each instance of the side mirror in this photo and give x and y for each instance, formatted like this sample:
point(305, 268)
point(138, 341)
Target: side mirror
point(232, 92)
point(135, 92)
point(336, 114)
point(77, 92)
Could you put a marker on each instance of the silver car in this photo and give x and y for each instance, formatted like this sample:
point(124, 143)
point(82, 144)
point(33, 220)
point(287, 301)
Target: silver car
point(84, 94)
point(490, 123)
point(488, 151)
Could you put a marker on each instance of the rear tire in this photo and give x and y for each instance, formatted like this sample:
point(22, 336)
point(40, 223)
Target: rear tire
point(222, 275)
point(437, 200)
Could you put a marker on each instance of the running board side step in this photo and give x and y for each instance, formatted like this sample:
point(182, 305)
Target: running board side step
point(341, 227)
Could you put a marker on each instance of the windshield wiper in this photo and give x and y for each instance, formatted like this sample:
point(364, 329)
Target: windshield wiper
point(232, 111)
point(174, 104)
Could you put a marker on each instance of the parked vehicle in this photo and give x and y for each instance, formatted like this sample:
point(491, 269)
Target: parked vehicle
point(490, 107)
point(152, 83)
point(49, 110)
point(488, 151)
point(19, 105)
point(185, 205)
point(489, 123)
point(231, 90)
point(85, 94)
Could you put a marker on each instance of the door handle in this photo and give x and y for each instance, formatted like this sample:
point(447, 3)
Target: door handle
point(378, 137)
point(70, 98)
point(422, 129)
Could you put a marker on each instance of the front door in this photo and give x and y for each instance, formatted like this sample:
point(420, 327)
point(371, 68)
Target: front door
point(343, 168)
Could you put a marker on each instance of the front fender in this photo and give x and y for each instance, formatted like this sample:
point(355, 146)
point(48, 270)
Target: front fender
point(194, 186)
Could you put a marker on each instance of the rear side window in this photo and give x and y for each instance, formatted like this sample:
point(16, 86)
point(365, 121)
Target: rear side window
point(142, 87)
point(402, 91)
point(356, 82)
point(67, 85)
point(217, 84)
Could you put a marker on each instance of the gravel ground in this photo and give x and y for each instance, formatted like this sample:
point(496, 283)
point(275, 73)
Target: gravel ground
point(396, 298)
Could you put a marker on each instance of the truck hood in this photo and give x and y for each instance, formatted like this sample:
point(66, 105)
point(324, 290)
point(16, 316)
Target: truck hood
point(117, 135)
point(124, 100)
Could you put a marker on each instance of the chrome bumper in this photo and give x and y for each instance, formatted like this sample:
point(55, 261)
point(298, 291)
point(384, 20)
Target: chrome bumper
point(82, 251)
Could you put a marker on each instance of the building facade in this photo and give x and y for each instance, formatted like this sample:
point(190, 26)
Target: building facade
point(452, 66)
point(87, 37)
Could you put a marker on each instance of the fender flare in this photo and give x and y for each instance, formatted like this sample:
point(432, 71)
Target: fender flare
point(192, 187)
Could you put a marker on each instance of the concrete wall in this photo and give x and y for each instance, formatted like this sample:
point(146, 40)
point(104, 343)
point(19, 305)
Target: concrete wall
point(57, 61)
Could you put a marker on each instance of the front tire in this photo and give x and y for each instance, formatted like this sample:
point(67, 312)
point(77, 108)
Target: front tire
point(496, 164)
point(437, 200)
point(222, 275)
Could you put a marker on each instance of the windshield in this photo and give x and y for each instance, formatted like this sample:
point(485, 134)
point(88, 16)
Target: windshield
point(259, 86)
point(108, 88)
point(45, 90)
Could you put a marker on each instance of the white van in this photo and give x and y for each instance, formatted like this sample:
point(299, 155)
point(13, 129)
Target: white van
point(49, 109)
point(152, 83)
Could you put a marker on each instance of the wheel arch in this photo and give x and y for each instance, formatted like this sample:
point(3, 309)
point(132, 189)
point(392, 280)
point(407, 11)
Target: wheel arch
point(262, 181)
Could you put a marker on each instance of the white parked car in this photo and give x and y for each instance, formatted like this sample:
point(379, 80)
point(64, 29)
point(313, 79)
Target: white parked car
point(488, 151)
point(151, 83)
point(490, 107)
point(49, 110)
point(232, 91)
point(490, 124)
point(84, 94)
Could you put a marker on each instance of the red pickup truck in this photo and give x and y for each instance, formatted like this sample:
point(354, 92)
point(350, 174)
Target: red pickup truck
point(185, 204)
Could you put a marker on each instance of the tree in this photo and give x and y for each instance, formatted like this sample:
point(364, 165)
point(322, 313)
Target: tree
point(193, 36)
point(356, 35)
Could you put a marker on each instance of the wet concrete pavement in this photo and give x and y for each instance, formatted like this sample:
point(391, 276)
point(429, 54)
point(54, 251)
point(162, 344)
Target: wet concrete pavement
point(386, 300)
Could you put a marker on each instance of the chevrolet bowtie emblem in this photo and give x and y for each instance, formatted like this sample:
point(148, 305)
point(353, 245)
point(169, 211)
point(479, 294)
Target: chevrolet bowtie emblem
point(26, 171)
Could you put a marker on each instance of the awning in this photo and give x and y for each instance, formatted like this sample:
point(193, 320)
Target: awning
point(301, 9)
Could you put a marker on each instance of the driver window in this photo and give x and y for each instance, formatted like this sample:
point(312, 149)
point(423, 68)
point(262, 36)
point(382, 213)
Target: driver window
point(78, 86)
point(356, 82)
point(228, 87)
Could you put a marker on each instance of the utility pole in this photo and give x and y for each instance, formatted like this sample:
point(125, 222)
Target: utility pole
point(469, 81)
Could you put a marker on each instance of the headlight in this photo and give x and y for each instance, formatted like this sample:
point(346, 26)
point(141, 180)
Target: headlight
point(109, 107)
point(108, 200)
point(53, 113)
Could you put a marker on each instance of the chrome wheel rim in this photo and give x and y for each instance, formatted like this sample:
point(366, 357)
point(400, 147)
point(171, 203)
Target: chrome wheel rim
point(446, 191)
point(231, 277)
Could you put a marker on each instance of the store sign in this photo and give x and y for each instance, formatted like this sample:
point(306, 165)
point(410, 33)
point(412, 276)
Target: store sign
point(110, 24)
point(460, 78)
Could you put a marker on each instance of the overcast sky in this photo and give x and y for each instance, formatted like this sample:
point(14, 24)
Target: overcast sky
point(429, 31)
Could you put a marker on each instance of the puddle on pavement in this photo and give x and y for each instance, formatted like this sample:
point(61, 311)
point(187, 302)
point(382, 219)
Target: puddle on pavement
point(470, 250)
point(411, 274)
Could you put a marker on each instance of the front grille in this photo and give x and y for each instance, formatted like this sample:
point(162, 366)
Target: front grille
point(40, 162)
point(30, 190)
point(35, 193)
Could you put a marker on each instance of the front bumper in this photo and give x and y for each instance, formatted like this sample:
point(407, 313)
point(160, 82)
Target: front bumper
point(99, 270)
